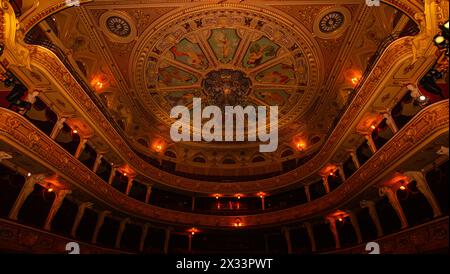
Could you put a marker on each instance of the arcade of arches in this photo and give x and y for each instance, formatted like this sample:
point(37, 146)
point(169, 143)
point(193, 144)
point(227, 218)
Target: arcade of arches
point(86, 155)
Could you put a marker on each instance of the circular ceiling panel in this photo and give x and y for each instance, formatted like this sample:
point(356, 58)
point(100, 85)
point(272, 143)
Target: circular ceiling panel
point(226, 56)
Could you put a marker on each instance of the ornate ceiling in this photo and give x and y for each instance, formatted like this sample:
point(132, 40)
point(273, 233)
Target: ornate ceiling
point(152, 56)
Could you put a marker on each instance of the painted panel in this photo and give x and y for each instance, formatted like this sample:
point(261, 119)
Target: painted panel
point(189, 54)
point(224, 43)
point(279, 74)
point(259, 52)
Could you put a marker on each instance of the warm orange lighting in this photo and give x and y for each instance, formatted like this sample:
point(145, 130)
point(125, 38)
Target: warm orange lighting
point(261, 195)
point(402, 187)
point(239, 197)
point(125, 174)
point(75, 131)
point(158, 147)
point(355, 80)
point(300, 146)
point(331, 174)
point(373, 127)
point(29, 174)
point(217, 196)
point(50, 189)
point(340, 219)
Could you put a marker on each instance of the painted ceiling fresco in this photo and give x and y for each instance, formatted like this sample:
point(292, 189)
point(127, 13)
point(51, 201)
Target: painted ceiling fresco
point(226, 66)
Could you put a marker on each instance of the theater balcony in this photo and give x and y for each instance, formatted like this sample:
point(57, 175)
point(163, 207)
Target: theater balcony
point(86, 154)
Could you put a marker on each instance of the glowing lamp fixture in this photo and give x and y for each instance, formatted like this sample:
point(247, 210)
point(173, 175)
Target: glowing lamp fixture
point(29, 174)
point(239, 196)
point(124, 174)
point(422, 99)
point(439, 40)
point(75, 131)
point(402, 187)
point(50, 188)
point(355, 80)
point(331, 174)
point(373, 127)
point(238, 222)
point(217, 196)
point(300, 146)
point(340, 219)
point(261, 195)
point(158, 148)
point(192, 233)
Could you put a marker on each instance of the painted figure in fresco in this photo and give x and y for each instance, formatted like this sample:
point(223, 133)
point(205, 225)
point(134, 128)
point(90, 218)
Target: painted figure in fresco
point(281, 74)
point(180, 98)
point(272, 98)
point(168, 76)
point(222, 42)
point(257, 53)
point(193, 58)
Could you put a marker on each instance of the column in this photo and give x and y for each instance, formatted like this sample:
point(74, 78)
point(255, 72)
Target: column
point(308, 194)
point(424, 188)
point(287, 236)
point(263, 203)
point(190, 243)
point(143, 237)
point(355, 224)
point(149, 192)
point(81, 208)
point(393, 200)
point(167, 240)
point(57, 128)
point(390, 122)
point(341, 172)
point(333, 229)
point(80, 147)
point(100, 221)
point(129, 185)
point(27, 189)
point(97, 163)
point(193, 203)
point(309, 229)
point(60, 195)
point(374, 215)
point(122, 227)
point(325, 183)
point(355, 159)
point(112, 175)
point(370, 142)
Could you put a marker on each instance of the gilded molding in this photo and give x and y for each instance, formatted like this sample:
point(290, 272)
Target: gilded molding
point(428, 237)
point(20, 238)
point(47, 61)
point(429, 123)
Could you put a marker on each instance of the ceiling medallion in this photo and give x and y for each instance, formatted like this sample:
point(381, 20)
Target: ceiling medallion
point(118, 26)
point(331, 22)
point(227, 87)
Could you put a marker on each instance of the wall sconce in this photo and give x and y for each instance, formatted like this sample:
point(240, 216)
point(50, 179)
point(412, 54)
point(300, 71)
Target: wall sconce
point(355, 80)
point(50, 188)
point(237, 222)
point(300, 146)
